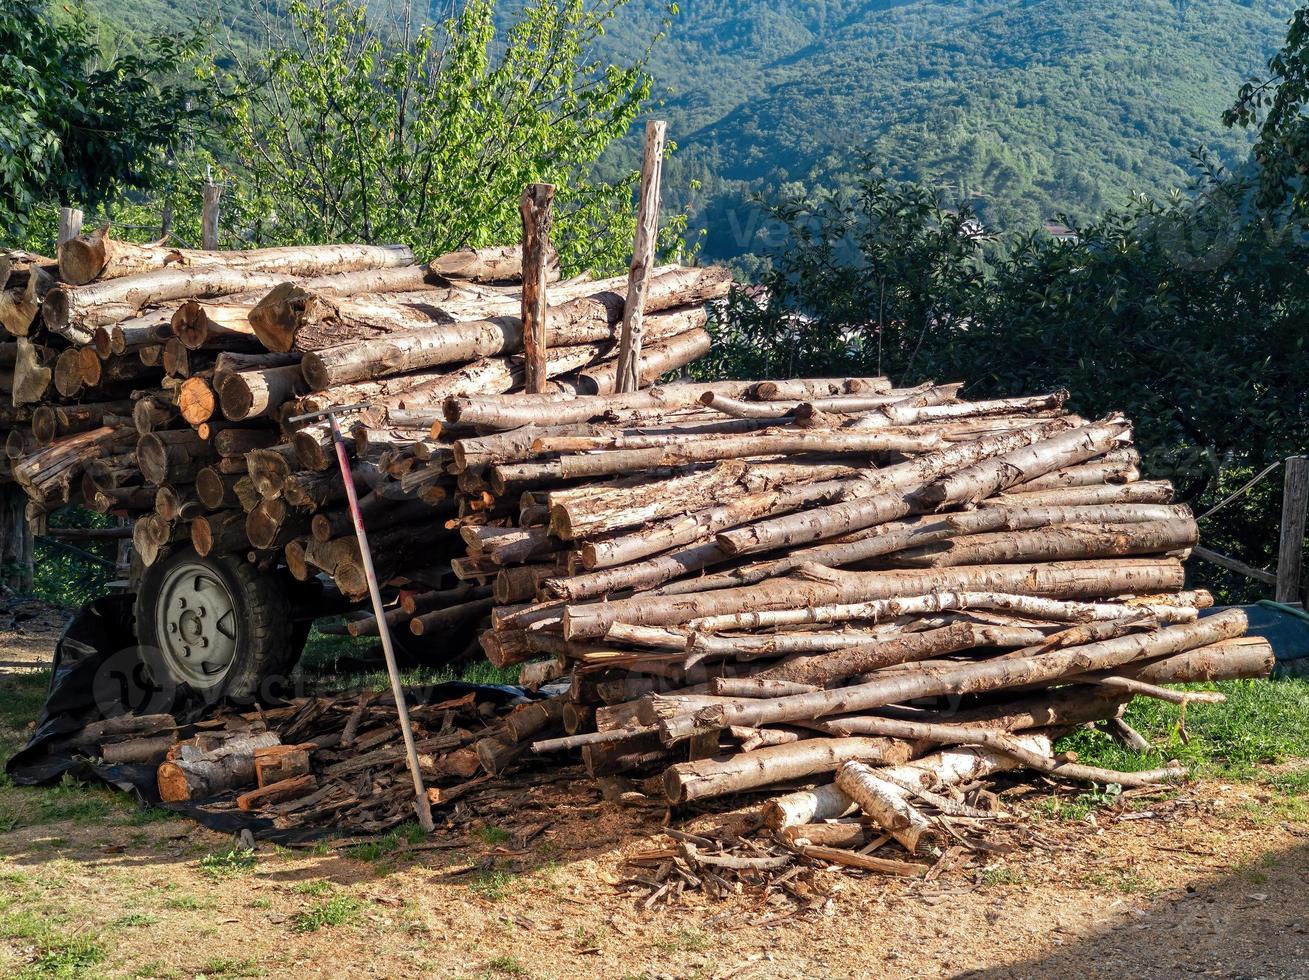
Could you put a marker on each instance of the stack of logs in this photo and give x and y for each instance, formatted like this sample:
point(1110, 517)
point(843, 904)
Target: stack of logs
point(745, 585)
point(884, 591)
point(155, 384)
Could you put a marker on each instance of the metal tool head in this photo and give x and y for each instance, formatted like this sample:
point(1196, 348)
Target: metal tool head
point(330, 410)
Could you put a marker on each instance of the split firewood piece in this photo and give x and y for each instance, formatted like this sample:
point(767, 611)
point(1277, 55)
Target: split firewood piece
point(198, 774)
point(278, 762)
point(292, 788)
point(865, 862)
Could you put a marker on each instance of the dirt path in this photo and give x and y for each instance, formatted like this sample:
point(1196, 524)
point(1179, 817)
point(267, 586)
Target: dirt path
point(1213, 882)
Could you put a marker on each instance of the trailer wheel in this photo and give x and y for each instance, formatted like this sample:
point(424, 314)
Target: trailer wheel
point(216, 626)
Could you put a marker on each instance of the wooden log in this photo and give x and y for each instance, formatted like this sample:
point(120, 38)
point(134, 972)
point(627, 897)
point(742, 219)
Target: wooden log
point(226, 324)
point(177, 503)
point(49, 474)
point(20, 307)
point(887, 804)
point(68, 373)
point(32, 376)
point(862, 861)
point(500, 264)
point(439, 619)
point(150, 329)
point(1290, 555)
point(500, 413)
point(724, 775)
point(280, 792)
point(172, 457)
point(628, 368)
point(826, 669)
point(416, 340)
point(257, 393)
point(1055, 544)
point(527, 720)
point(137, 751)
point(948, 767)
point(882, 496)
point(98, 255)
point(220, 533)
point(49, 422)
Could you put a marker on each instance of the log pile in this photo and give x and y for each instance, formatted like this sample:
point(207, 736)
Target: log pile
point(884, 592)
point(155, 384)
point(877, 595)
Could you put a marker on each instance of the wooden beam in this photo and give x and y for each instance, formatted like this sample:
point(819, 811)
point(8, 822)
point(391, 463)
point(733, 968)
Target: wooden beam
point(536, 209)
point(209, 216)
point(1290, 552)
point(1232, 565)
point(643, 258)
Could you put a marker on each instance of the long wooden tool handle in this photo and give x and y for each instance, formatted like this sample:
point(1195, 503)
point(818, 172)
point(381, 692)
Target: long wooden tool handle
point(421, 803)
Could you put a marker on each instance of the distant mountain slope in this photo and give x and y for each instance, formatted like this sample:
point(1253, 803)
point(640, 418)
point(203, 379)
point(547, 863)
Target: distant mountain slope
point(1026, 108)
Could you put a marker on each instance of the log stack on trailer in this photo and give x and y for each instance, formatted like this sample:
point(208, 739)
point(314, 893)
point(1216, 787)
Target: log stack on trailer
point(154, 384)
point(876, 593)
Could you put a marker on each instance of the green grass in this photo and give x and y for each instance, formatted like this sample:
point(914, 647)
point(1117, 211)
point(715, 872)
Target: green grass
point(493, 885)
point(54, 952)
point(133, 919)
point(230, 863)
point(492, 836)
point(223, 966)
point(508, 965)
point(334, 912)
point(389, 845)
point(316, 887)
point(685, 941)
point(1261, 722)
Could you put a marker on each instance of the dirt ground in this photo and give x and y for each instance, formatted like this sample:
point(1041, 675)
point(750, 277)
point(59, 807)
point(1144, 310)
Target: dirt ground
point(1211, 881)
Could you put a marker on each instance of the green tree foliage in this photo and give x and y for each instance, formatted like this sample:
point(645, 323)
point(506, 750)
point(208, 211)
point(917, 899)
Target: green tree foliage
point(77, 127)
point(1279, 105)
point(1188, 314)
point(347, 130)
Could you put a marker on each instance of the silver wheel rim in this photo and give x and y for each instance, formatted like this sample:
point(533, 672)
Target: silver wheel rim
point(196, 624)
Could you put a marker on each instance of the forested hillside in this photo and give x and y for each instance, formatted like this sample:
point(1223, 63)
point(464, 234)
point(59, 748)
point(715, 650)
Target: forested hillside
point(1024, 108)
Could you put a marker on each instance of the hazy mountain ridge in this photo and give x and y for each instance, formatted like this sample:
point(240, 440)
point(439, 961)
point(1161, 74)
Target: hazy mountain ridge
point(1026, 108)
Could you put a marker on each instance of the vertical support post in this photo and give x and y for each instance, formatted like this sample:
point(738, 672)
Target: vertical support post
point(537, 211)
point(70, 224)
point(643, 254)
point(209, 216)
point(1290, 552)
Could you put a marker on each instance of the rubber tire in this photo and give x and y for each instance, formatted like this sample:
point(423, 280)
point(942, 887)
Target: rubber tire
point(265, 632)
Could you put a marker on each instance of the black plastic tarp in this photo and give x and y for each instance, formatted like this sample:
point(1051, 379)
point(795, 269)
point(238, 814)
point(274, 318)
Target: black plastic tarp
point(97, 674)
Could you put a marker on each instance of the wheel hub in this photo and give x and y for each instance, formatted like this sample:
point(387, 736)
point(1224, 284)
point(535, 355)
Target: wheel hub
point(196, 624)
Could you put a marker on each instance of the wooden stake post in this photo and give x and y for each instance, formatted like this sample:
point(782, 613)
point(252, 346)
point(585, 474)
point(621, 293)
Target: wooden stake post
point(536, 209)
point(1290, 554)
point(643, 255)
point(209, 216)
point(70, 224)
